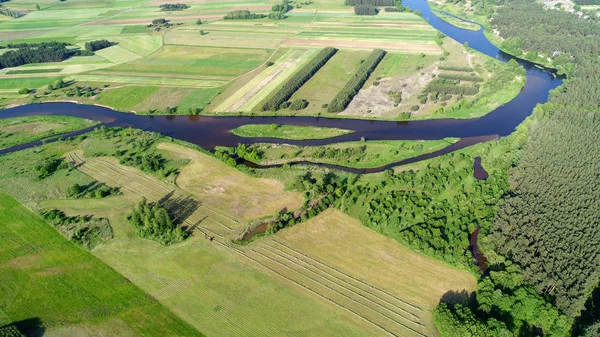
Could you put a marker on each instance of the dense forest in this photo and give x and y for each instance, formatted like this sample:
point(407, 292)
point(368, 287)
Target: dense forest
point(547, 230)
point(97, 45)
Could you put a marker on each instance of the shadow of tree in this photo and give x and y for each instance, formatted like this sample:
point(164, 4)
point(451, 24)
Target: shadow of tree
point(31, 327)
point(453, 297)
point(179, 208)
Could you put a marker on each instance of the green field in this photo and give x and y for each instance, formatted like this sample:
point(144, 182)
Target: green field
point(367, 154)
point(19, 130)
point(51, 285)
point(287, 131)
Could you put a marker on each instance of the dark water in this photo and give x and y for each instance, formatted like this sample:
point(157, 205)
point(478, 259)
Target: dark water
point(209, 132)
point(478, 258)
point(478, 171)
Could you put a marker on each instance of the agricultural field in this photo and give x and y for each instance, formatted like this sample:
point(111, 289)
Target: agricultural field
point(225, 66)
point(50, 286)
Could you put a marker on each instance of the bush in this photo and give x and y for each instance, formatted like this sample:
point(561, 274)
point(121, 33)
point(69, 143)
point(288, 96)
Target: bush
point(199, 21)
point(24, 91)
point(299, 104)
point(97, 45)
point(365, 10)
point(344, 97)
point(275, 100)
point(269, 64)
point(414, 108)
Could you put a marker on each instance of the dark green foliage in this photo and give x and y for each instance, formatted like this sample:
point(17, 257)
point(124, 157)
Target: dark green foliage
point(365, 10)
point(351, 88)
point(10, 330)
point(173, 7)
point(153, 222)
point(451, 87)
point(379, 3)
point(35, 53)
point(24, 91)
point(452, 68)
point(461, 77)
point(96, 190)
point(46, 167)
point(392, 9)
point(229, 155)
point(414, 108)
point(97, 45)
point(550, 223)
point(84, 231)
point(275, 100)
point(243, 15)
point(278, 11)
point(160, 21)
point(504, 306)
point(199, 21)
point(148, 162)
point(81, 91)
point(299, 104)
point(588, 2)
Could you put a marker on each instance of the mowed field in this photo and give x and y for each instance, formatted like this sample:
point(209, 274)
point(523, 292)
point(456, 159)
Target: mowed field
point(180, 67)
point(50, 286)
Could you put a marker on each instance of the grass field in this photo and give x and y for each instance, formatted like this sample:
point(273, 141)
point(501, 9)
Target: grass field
point(50, 281)
point(357, 154)
point(288, 131)
point(382, 282)
point(20, 130)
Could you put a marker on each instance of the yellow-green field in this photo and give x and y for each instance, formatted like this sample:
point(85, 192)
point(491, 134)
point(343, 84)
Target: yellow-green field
point(231, 54)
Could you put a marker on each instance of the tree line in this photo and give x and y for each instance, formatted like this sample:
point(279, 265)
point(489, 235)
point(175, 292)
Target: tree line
point(351, 88)
point(449, 87)
point(380, 3)
point(97, 45)
point(461, 77)
point(173, 7)
point(298, 79)
point(39, 53)
point(243, 15)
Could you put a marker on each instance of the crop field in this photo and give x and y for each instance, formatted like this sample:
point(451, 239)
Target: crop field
point(51, 285)
point(359, 277)
point(193, 67)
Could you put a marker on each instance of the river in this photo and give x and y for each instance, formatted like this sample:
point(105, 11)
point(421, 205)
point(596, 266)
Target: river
point(209, 132)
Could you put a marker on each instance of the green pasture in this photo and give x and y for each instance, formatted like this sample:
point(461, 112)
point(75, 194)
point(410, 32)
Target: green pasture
point(65, 289)
point(288, 131)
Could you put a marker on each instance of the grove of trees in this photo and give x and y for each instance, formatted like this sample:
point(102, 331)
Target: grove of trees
point(153, 222)
point(97, 45)
point(351, 88)
point(37, 53)
point(275, 100)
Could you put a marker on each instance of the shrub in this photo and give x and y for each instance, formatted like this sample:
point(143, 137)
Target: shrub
point(269, 63)
point(365, 10)
point(414, 108)
point(24, 91)
point(199, 21)
point(275, 100)
point(299, 104)
point(344, 97)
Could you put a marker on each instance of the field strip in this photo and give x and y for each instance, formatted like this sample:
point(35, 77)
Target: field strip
point(136, 74)
point(264, 82)
point(344, 274)
point(345, 288)
point(306, 288)
point(395, 322)
point(287, 256)
point(148, 80)
point(252, 84)
point(278, 80)
point(405, 47)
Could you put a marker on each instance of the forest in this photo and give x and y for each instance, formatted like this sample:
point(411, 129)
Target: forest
point(547, 230)
point(97, 45)
point(38, 53)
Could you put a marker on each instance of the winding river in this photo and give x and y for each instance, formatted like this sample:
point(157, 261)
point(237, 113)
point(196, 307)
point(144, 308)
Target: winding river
point(209, 132)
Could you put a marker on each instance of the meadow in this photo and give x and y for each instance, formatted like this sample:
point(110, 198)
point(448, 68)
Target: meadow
point(73, 292)
point(288, 131)
point(15, 131)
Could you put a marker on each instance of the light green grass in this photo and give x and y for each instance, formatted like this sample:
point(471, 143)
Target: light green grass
point(28, 82)
point(199, 98)
point(148, 80)
point(19, 130)
point(287, 131)
point(125, 98)
point(374, 154)
point(33, 71)
point(64, 286)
